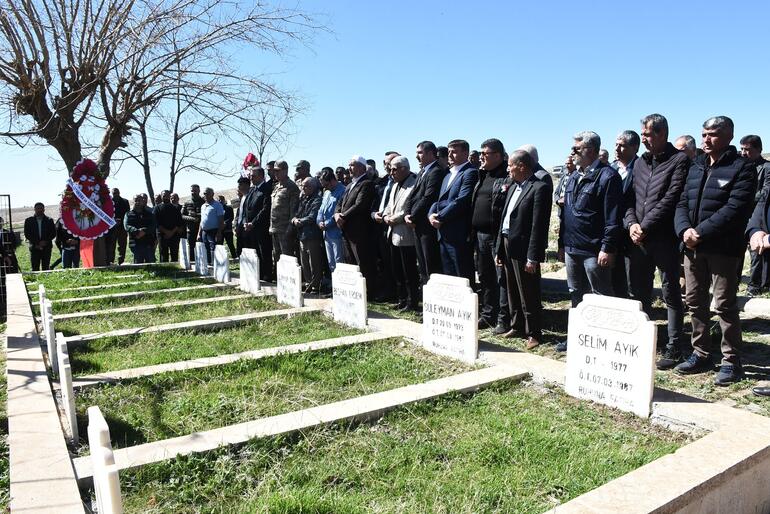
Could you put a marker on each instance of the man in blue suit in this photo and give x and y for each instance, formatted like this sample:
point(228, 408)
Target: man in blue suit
point(451, 214)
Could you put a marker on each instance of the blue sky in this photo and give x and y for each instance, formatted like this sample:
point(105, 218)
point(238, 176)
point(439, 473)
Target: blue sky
point(390, 74)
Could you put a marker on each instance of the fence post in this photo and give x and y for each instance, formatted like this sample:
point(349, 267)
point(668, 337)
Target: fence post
point(65, 385)
point(105, 473)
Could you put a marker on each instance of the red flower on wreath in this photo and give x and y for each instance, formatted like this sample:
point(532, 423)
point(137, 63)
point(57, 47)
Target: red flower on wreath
point(78, 217)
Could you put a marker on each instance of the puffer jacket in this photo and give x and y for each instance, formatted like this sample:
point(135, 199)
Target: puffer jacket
point(658, 185)
point(717, 202)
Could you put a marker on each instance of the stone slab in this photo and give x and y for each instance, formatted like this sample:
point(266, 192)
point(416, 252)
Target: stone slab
point(450, 313)
point(249, 271)
point(204, 362)
point(361, 408)
point(184, 254)
point(135, 308)
point(42, 478)
point(134, 294)
point(349, 295)
point(201, 259)
point(611, 355)
point(221, 264)
point(224, 321)
point(289, 281)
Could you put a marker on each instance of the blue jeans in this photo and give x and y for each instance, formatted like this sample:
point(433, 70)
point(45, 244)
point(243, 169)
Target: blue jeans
point(70, 257)
point(584, 275)
point(143, 253)
point(335, 251)
point(209, 238)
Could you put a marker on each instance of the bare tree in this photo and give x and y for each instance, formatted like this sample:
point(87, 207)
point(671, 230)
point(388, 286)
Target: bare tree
point(89, 73)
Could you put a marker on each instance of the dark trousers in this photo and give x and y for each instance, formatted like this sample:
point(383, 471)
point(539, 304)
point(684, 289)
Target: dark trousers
point(143, 253)
point(700, 272)
point(384, 268)
point(621, 279)
point(169, 248)
point(192, 238)
point(485, 265)
point(405, 275)
point(311, 259)
point(209, 238)
point(40, 259)
point(265, 254)
point(359, 253)
point(117, 236)
point(457, 259)
point(428, 257)
point(665, 257)
point(503, 313)
point(524, 296)
point(759, 272)
point(228, 240)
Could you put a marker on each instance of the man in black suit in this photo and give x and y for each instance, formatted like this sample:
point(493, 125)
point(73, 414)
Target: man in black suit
point(521, 244)
point(759, 242)
point(425, 194)
point(40, 231)
point(254, 221)
point(353, 217)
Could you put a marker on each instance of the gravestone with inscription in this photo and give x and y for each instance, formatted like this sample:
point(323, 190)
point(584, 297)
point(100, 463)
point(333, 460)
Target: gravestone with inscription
point(450, 317)
point(184, 254)
point(221, 264)
point(249, 271)
point(349, 295)
point(201, 259)
point(611, 353)
point(289, 282)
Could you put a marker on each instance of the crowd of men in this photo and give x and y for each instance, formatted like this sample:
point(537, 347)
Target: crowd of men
point(485, 216)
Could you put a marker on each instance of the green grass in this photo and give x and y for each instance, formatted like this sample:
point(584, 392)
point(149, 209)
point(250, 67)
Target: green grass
point(172, 404)
point(90, 277)
point(115, 353)
point(150, 299)
point(507, 448)
point(5, 477)
point(163, 315)
point(144, 285)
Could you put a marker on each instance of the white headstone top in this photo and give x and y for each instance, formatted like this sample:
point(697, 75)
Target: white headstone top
point(249, 271)
point(221, 264)
point(289, 283)
point(201, 259)
point(611, 353)
point(450, 317)
point(349, 295)
point(184, 254)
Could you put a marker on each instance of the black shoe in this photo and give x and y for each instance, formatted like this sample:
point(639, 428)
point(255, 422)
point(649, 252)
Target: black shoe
point(561, 347)
point(729, 374)
point(761, 391)
point(694, 364)
point(753, 291)
point(500, 329)
point(409, 308)
point(484, 324)
point(669, 359)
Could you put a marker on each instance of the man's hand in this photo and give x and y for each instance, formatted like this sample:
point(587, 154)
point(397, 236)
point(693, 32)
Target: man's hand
point(139, 233)
point(636, 233)
point(531, 267)
point(691, 238)
point(377, 217)
point(560, 254)
point(408, 220)
point(434, 221)
point(756, 241)
point(339, 219)
point(248, 226)
point(322, 225)
point(498, 262)
point(605, 259)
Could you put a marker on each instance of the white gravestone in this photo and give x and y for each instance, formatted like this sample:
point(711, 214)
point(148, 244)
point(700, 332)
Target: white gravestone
point(249, 271)
point(450, 318)
point(65, 386)
point(611, 353)
point(50, 337)
point(349, 295)
point(201, 259)
point(184, 254)
point(41, 294)
point(221, 264)
point(289, 284)
point(105, 472)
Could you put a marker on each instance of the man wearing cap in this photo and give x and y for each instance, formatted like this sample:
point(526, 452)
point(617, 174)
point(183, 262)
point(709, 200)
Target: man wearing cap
point(353, 217)
point(301, 172)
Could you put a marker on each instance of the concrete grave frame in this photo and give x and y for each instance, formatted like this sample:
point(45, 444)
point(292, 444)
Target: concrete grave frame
point(725, 470)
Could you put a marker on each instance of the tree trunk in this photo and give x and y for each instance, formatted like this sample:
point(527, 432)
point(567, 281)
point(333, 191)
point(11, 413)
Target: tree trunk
point(146, 163)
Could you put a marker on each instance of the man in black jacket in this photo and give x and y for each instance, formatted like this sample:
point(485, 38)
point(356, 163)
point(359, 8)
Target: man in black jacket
point(227, 233)
point(117, 235)
point(659, 178)
point(751, 149)
point(424, 194)
point(759, 242)
point(493, 167)
point(711, 219)
point(170, 226)
point(253, 222)
point(191, 214)
point(626, 150)
point(521, 244)
point(40, 231)
point(140, 226)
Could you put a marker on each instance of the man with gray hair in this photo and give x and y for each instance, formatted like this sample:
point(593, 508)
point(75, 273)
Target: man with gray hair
point(309, 234)
point(659, 178)
point(711, 219)
point(686, 144)
point(540, 172)
point(590, 222)
point(626, 149)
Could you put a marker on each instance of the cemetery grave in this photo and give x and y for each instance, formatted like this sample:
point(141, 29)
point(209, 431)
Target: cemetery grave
point(300, 424)
point(127, 287)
